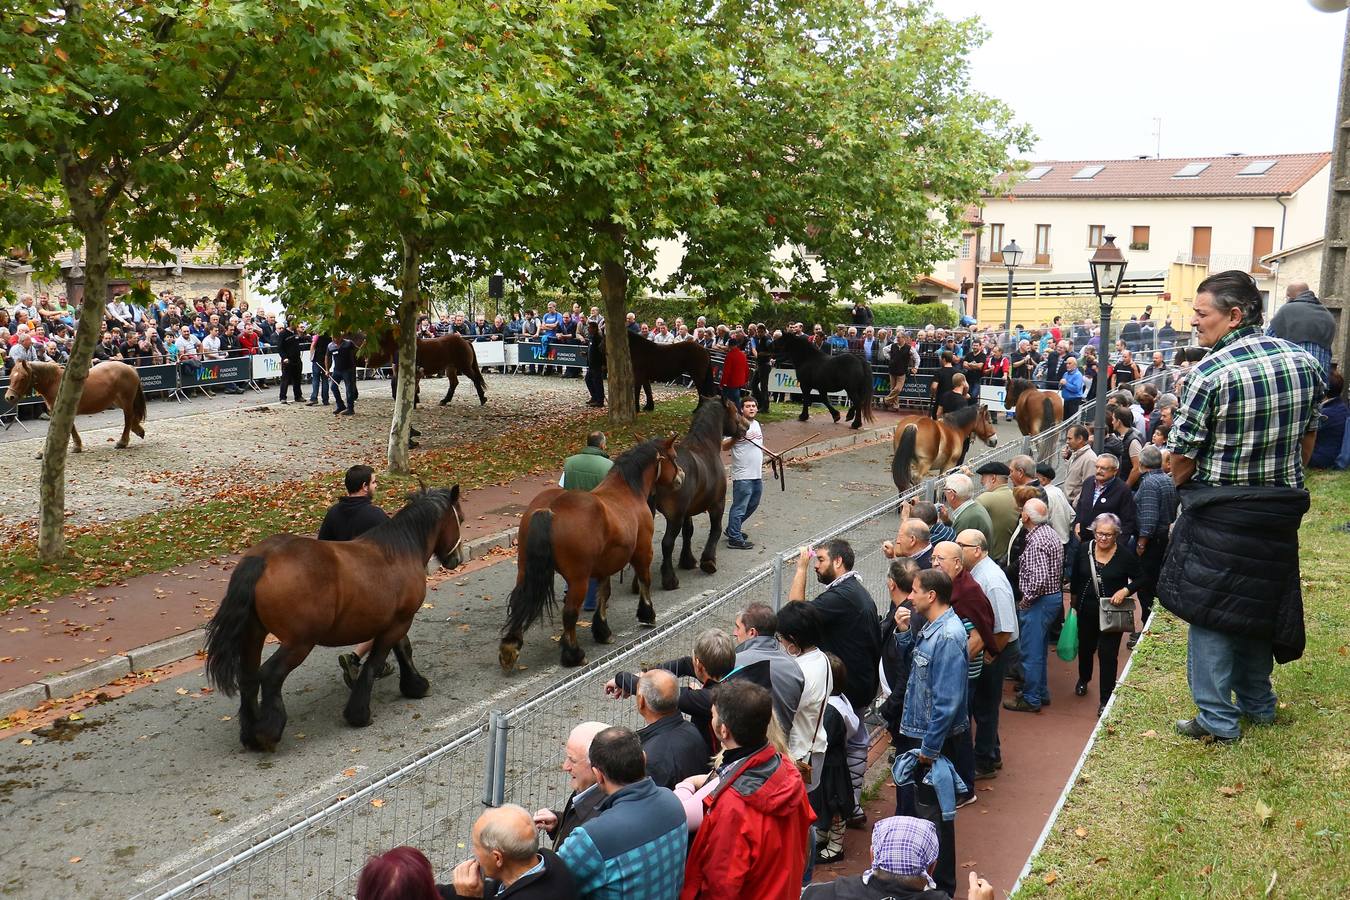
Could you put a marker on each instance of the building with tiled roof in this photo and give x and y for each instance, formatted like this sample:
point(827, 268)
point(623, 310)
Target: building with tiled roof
point(1217, 212)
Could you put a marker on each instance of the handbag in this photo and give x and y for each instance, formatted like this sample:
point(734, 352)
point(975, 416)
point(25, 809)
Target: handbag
point(804, 765)
point(1067, 647)
point(1111, 619)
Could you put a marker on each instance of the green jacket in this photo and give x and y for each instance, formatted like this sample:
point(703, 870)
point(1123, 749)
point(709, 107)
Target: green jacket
point(1003, 518)
point(972, 515)
point(585, 470)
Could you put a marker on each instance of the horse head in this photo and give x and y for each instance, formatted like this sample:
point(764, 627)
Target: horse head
point(449, 536)
point(668, 471)
point(20, 382)
point(734, 425)
point(1011, 390)
point(984, 428)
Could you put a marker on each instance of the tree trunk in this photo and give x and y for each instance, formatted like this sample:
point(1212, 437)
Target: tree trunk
point(52, 491)
point(401, 427)
point(614, 294)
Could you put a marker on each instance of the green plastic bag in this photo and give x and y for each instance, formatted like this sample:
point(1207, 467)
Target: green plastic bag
point(1067, 648)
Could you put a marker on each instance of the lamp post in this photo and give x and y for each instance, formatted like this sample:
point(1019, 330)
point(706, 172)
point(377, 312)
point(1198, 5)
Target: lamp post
point(1108, 268)
point(1012, 255)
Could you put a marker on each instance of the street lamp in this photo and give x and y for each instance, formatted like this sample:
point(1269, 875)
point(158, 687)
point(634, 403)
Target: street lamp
point(1012, 255)
point(1108, 269)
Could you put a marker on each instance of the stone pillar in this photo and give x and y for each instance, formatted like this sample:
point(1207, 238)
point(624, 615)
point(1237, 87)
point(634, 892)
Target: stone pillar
point(1335, 285)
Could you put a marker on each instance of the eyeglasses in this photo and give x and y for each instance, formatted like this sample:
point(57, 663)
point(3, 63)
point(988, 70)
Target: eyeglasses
point(1104, 535)
point(969, 546)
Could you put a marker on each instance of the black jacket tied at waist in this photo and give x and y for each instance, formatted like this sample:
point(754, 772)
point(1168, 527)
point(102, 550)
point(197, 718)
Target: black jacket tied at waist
point(1232, 563)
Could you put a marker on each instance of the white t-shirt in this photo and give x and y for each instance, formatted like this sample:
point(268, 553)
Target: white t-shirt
point(810, 709)
point(747, 460)
point(657, 337)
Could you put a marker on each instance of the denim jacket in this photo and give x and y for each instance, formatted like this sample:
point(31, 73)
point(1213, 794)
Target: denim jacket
point(935, 696)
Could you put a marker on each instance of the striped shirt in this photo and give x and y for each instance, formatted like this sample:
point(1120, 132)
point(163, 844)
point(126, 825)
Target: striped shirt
point(1245, 408)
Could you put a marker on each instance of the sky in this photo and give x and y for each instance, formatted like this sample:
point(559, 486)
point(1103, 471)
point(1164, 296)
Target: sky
point(1225, 76)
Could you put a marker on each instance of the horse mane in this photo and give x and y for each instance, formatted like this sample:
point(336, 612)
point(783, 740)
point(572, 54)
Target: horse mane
point(706, 423)
point(798, 342)
point(962, 417)
point(632, 463)
point(406, 533)
point(1022, 384)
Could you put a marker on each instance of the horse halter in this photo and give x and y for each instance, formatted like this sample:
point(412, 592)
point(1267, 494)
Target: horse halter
point(459, 529)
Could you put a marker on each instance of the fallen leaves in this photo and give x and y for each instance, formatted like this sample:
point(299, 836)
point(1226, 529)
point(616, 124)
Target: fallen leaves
point(1265, 813)
point(1080, 831)
point(377, 803)
point(1051, 877)
point(348, 773)
point(1231, 791)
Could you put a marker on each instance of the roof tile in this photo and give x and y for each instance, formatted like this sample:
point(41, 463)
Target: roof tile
point(1155, 177)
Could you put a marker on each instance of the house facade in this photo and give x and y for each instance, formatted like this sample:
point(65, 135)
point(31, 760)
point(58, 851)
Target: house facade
point(1223, 212)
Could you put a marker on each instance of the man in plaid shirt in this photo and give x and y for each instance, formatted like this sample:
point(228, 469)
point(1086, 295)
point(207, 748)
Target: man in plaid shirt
point(1244, 431)
point(1040, 575)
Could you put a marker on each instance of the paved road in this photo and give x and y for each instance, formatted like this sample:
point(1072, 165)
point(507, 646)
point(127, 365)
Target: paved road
point(145, 785)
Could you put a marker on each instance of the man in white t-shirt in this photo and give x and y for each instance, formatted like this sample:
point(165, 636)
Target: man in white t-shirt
point(747, 476)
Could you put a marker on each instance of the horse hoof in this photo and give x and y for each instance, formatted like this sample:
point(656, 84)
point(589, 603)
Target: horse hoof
point(482, 401)
point(357, 718)
point(444, 402)
point(804, 417)
point(648, 408)
point(601, 632)
point(646, 616)
point(857, 425)
point(709, 566)
point(688, 562)
point(670, 582)
point(507, 656)
point(573, 657)
point(414, 689)
point(251, 742)
point(835, 416)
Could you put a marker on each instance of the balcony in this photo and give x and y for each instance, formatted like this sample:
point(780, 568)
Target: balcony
point(1222, 262)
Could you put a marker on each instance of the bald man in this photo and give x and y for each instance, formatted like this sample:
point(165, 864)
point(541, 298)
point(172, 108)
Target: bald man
point(913, 540)
point(506, 853)
point(673, 746)
point(584, 803)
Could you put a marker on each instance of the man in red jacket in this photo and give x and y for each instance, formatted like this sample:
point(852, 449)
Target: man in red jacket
point(753, 840)
point(735, 369)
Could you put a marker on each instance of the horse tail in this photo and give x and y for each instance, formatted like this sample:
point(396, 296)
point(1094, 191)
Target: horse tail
point(866, 391)
point(902, 464)
point(138, 408)
point(228, 628)
point(535, 593)
point(1047, 413)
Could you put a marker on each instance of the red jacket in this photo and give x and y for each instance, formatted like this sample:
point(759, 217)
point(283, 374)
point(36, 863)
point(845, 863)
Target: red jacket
point(736, 369)
point(752, 843)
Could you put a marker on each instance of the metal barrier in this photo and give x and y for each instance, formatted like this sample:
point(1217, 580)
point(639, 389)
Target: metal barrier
point(431, 800)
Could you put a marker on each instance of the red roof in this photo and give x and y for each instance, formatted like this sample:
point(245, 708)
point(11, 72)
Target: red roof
point(1216, 176)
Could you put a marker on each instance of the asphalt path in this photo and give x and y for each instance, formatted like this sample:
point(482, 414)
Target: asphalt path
point(147, 784)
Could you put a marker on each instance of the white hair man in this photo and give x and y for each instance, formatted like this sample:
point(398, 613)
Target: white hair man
point(960, 509)
point(584, 802)
point(1040, 576)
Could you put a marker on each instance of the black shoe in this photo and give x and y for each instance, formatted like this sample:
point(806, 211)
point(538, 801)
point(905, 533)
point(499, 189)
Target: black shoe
point(349, 411)
point(413, 432)
point(826, 857)
point(312, 403)
point(1020, 705)
point(1080, 688)
point(337, 411)
point(285, 402)
point(1134, 639)
point(1193, 729)
point(998, 764)
point(740, 545)
point(983, 773)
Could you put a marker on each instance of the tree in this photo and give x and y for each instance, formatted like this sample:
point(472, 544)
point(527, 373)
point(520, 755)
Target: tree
point(113, 123)
point(400, 166)
point(751, 130)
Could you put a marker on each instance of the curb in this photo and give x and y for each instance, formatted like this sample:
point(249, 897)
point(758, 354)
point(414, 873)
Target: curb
point(189, 643)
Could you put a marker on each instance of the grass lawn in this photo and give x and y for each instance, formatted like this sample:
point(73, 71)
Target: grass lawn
point(108, 553)
point(1157, 815)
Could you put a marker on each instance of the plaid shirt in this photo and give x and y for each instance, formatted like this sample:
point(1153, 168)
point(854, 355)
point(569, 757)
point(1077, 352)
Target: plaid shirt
point(1245, 408)
point(1041, 569)
point(1156, 502)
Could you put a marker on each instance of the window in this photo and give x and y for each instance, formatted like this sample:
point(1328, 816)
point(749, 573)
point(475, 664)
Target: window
point(996, 244)
point(1260, 167)
point(1263, 242)
point(1096, 236)
point(1139, 238)
point(1191, 170)
point(1087, 173)
point(967, 241)
point(1200, 242)
point(1042, 245)
point(1039, 172)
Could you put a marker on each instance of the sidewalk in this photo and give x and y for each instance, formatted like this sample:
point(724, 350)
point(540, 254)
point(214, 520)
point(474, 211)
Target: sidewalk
point(58, 648)
point(995, 835)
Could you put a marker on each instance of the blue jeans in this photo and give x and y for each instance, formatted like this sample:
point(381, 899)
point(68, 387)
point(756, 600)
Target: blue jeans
point(1034, 624)
point(745, 494)
point(1219, 666)
point(317, 381)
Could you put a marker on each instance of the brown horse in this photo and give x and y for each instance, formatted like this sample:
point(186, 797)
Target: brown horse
point(309, 592)
point(1037, 410)
point(704, 489)
point(588, 535)
point(109, 384)
point(923, 445)
point(667, 362)
point(449, 355)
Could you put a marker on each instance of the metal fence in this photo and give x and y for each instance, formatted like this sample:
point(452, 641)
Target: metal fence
point(431, 800)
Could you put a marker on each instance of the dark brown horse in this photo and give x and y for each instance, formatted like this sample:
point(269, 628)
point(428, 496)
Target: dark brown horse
point(667, 362)
point(704, 489)
point(450, 355)
point(333, 594)
point(588, 535)
point(924, 445)
point(109, 384)
point(1037, 410)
